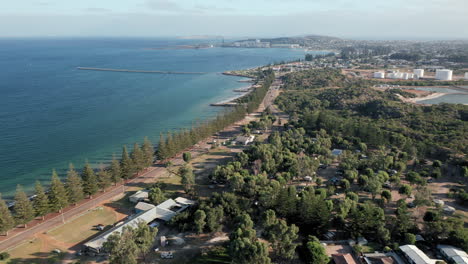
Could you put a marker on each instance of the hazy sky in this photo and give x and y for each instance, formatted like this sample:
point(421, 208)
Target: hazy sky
point(411, 19)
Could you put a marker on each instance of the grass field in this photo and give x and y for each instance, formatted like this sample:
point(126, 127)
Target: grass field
point(30, 253)
point(81, 228)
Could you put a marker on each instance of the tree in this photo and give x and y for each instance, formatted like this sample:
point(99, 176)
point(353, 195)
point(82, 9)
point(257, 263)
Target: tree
point(144, 237)
point(187, 156)
point(126, 164)
point(374, 185)
point(148, 152)
point(244, 248)
point(104, 178)
point(58, 197)
point(138, 158)
point(23, 210)
point(162, 151)
point(90, 182)
point(406, 190)
point(74, 186)
point(115, 171)
point(315, 252)
point(188, 178)
point(156, 196)
point(387, 195)
point(282, 238)
point(410, 238)
point(6, 219)
point(199, 221)
point(122, 247)
point(214, 218)
point(41, 201)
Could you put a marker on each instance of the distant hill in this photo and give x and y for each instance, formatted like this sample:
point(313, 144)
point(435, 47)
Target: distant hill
point(302, 40)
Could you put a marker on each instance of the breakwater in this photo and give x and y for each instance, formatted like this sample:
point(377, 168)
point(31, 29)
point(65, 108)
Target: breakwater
point(135, 71)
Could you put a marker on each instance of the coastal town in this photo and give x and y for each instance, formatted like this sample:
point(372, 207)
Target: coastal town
point(334, 158)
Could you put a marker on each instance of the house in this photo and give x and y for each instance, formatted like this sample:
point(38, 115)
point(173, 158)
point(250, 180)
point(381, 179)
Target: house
point(139, 196)
point(245, 140)
point(343, 259)
point(415, 256)
point(164, 211)
point(453, 254)
point(337, 152)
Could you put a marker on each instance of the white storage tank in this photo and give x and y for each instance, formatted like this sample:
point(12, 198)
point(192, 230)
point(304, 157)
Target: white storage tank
point(419, 73)
point(444, 75)
point(466, 75)
point(379, 75)
point(405, 76)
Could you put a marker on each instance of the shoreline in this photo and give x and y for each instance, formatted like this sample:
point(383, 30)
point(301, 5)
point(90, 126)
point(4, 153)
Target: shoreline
point(427, 97)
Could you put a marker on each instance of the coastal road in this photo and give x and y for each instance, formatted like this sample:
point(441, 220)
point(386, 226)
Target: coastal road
point(20, 235)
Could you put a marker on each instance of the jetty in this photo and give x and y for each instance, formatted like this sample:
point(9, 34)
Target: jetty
point(135, 71)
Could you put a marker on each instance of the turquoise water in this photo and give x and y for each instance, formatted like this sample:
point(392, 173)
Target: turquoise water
point(52, 114)
point(452, 97)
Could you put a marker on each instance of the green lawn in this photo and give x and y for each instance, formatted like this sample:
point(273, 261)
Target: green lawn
point(81, 228)
point(30, 253)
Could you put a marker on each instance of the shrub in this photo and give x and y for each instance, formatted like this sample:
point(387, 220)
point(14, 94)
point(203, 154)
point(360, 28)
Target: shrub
point(4, 256)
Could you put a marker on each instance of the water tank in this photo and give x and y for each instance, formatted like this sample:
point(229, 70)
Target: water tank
point(419, 73)
point(466, 75)
point(444, 75)
point(379, 75)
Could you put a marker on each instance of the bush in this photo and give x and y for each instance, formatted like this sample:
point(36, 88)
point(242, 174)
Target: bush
point(4, 256)
point(187, 156)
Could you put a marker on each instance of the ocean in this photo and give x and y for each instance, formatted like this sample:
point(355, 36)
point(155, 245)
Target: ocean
point(52, 114)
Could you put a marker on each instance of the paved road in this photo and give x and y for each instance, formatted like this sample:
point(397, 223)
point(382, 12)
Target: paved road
point(20, 235)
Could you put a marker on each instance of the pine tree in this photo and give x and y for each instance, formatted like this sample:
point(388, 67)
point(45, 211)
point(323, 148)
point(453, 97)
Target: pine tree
point(138, 158)
point(23, 210)
point(115, 171)
point(199, 221)
point(148, 151)
point(104, 178)
point(74, 186)
point(188, 178)
point(170, 145)
point(126, 164)
point(90, 182)
point(6, 219)
point(57, 195)
point(162, 148)
point(41, 201)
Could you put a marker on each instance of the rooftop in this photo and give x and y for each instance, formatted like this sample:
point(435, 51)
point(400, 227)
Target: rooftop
point(416, 255)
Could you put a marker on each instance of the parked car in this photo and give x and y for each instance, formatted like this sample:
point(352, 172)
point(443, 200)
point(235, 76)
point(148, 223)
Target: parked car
point(167, 255)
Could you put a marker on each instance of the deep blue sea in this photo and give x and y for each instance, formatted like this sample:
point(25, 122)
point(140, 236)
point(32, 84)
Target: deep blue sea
point(52, 114)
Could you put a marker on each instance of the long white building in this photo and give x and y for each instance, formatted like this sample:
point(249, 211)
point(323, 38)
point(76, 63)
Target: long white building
point(418, 73)
point(444, 75)
point(164, 211)
point(415, 256)
point(453, 254)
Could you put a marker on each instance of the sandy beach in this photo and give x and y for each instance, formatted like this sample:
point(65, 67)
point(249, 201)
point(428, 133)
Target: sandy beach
point(427, 97)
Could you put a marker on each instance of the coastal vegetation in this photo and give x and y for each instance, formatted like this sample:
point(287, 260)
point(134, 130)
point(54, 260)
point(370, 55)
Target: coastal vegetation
point(389, 147)
point(88, 182)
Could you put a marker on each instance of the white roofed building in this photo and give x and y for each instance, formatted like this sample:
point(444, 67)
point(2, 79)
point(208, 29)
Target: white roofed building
point(147, 213)
point(415, 256)
point(453, 254)
point(139, 196)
